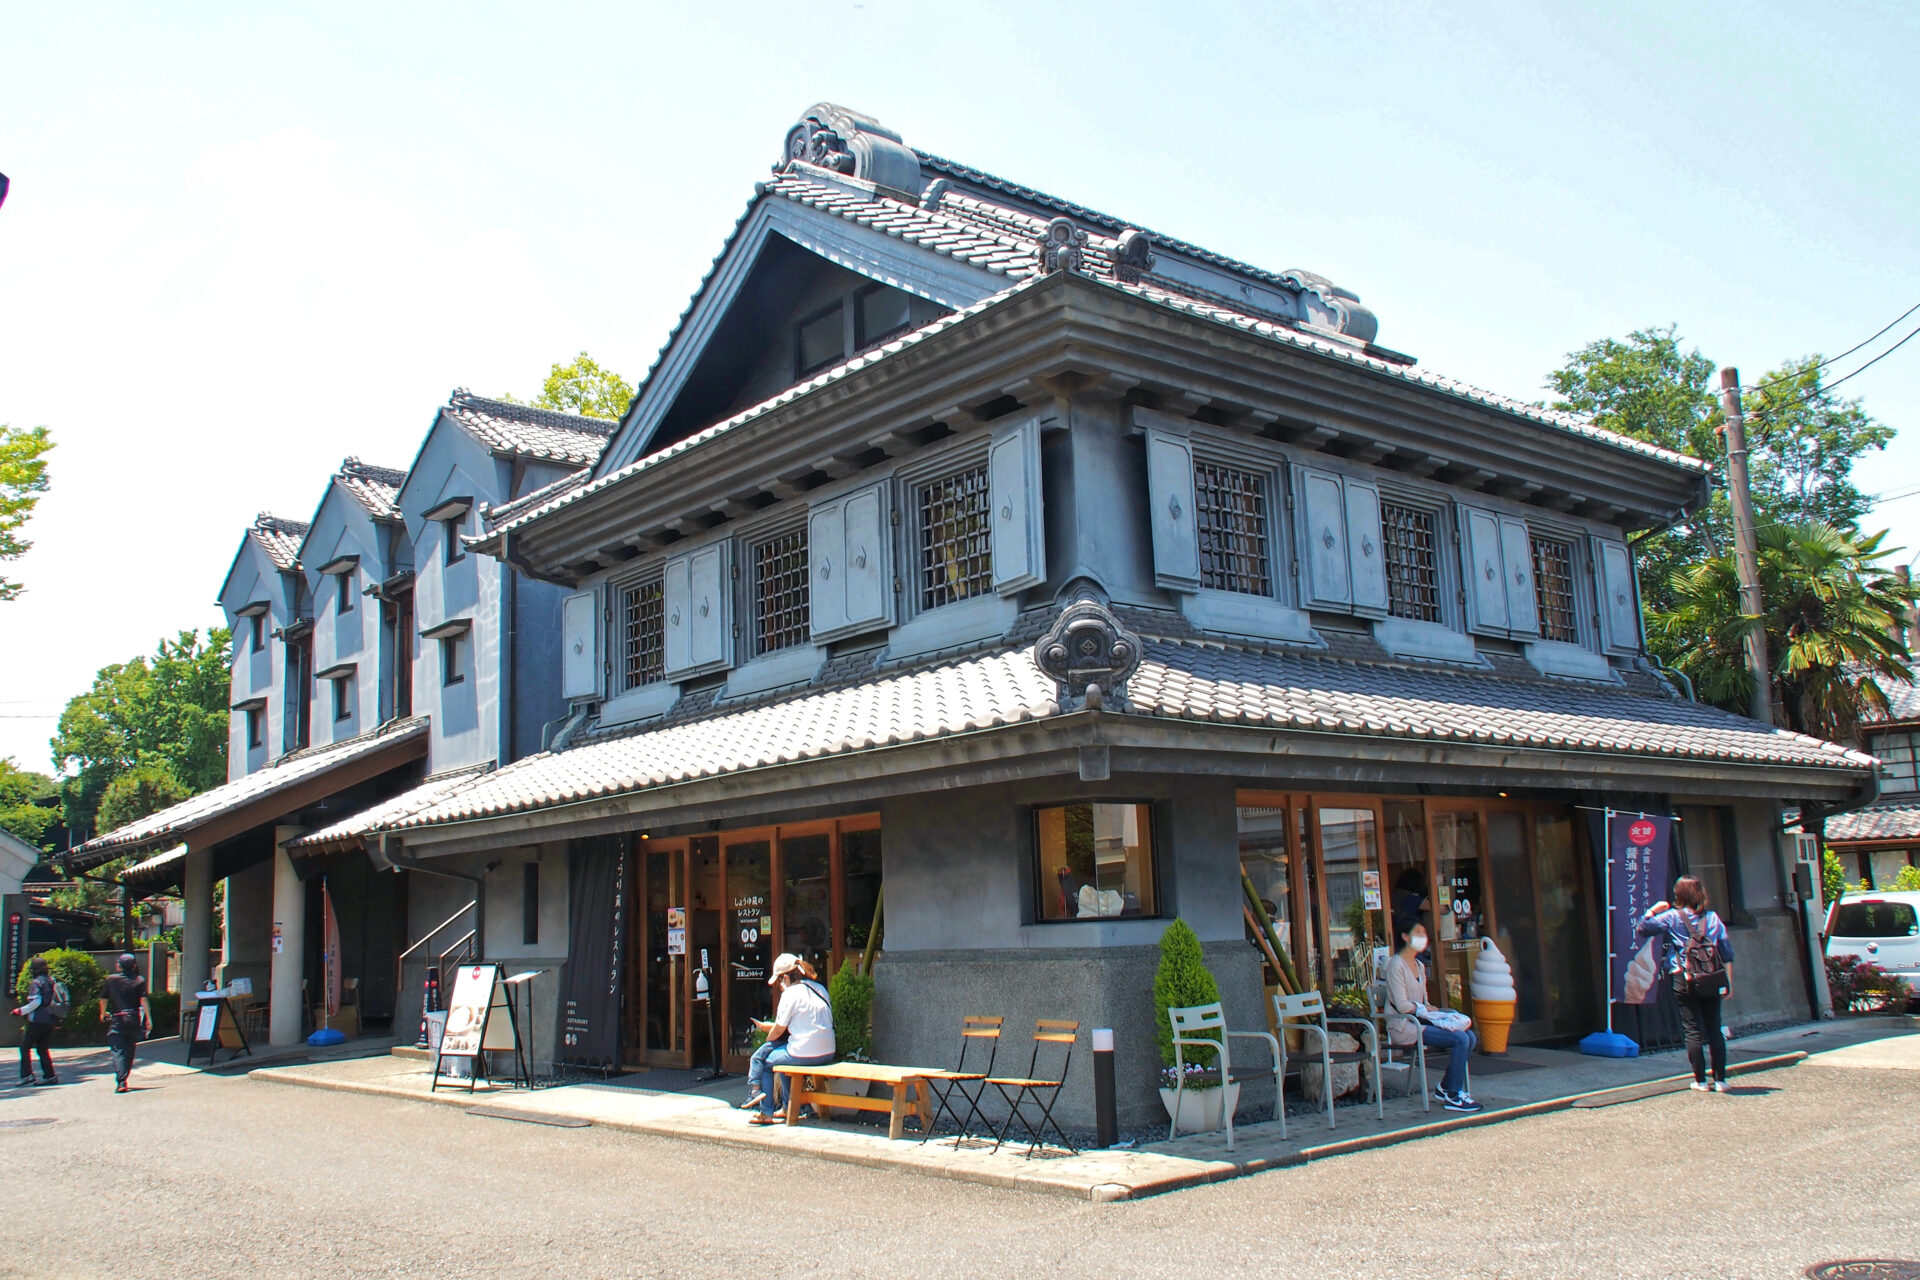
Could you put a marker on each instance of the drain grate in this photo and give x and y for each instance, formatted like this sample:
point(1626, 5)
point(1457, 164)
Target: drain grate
point(27, 1122)
point(1866, 1269)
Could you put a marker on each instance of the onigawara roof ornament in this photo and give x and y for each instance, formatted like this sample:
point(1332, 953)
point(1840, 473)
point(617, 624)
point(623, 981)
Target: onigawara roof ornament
point(1061, 246)
point(1132, 256)
point(847, 142)
point(1089, 655)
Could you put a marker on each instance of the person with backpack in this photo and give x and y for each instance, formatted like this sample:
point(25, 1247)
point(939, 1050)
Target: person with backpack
point(801, 1033)
point(128, 1016)
point(1698, 960)
point(44, 1010)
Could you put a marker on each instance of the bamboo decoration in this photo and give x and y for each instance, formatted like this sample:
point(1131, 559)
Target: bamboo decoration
point(873, 933)
point(1266, 949)
point(1270, 938)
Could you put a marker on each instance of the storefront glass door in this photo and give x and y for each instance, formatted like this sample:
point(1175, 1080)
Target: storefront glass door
point(749, 940)
point(1461, 911)
point(1567, 928)
point(663, 977)
point(1518, 929)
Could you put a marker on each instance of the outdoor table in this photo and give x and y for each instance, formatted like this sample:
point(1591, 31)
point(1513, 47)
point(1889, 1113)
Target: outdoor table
point(907, 1083)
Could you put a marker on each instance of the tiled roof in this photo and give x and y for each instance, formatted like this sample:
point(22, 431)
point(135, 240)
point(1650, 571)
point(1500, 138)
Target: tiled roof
point(1886, 820)
point(1180, 680)
point(295, 767)
point(432, 790)
point(496, 517)
point(1903, 702)
point(279, 538)
point(375, 488)
point(522, 431)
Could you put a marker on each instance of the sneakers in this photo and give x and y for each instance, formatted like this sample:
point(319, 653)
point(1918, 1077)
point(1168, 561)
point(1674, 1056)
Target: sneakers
point(1458, 1102)
point(1700, 1086)
point(1719, 1086)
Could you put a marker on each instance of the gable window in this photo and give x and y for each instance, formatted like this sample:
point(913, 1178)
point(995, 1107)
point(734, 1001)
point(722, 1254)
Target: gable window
point(1553, 589)
point(780, 615)
point(257, 631)
point(1230, 517)
point(820, 341)
point(879, 314)
point(453, 659)
point(256, 731)
point(1409, 538)
point(343, 698)
point(956, 544)
point(1094, 861)
point(450, 538)
point(1896, 751)
point(643, 650)
point(343, 591)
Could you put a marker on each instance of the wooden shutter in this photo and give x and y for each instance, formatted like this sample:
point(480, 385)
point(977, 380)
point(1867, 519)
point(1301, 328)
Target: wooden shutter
point(1482, 570)
point(1176, 540)
point(1321, 522)
point(1523, 604)
point(827, 568)
point(697, 591)
point(1619, 595)
point(580, 647)
point(1366, 554)
point(850, 580)
point(1019, 533)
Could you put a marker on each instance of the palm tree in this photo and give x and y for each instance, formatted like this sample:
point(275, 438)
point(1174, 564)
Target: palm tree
point(1833, 621)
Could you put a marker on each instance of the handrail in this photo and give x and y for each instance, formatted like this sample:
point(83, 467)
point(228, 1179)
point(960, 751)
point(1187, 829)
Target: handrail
point(429, 936)
point(458, 944)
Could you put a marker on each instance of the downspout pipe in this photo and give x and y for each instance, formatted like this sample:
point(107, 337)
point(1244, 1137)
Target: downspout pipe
point(404, 862)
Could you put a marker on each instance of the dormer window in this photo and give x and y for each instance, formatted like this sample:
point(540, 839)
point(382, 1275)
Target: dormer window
point(956, 538)
point(450, 536)
point(257, 632)
point(820, 341)
point(343, 591)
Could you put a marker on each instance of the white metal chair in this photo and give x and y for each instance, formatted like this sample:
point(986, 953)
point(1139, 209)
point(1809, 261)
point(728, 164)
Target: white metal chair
point(1306, 1014)
point(1416, 1052)
point(1191, 1028)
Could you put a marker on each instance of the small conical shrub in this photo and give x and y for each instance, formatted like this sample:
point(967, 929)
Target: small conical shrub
point(1181, 982)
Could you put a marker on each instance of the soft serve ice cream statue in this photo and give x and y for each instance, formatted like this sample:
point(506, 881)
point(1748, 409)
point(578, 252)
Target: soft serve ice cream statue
point(1494, 996)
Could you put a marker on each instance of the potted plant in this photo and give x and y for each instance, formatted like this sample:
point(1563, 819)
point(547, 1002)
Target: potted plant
point(1182, 981)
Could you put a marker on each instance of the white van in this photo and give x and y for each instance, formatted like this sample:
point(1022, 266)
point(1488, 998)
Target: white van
point(1881, 927)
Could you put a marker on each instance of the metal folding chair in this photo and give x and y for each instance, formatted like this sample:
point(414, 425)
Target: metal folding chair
point(976, 1032)
point(1416, 1052)
point(1042, 1091)
point(1190, 1026)
point(1306, 1013)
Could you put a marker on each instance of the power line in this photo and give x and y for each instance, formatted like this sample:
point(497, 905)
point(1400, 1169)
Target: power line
point(1771, 410)
point(1834, 359)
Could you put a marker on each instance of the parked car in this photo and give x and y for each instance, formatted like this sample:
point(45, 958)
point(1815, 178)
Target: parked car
point(1883, 928)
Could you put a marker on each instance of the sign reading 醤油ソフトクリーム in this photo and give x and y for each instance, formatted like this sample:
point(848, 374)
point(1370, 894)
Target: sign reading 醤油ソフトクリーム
point(1639, 848)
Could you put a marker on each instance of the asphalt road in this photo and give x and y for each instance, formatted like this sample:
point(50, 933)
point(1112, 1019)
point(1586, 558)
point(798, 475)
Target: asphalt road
point(197, 1175)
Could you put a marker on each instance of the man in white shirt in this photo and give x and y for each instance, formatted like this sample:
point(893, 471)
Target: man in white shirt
point(801, 1033)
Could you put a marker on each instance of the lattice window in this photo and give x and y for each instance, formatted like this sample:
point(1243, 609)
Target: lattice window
point(780, 614)
point(1411, 538)
point(1896, 750)
point(1553, 588)
point(956, 545)
point(1230, 514)
point(643, 648)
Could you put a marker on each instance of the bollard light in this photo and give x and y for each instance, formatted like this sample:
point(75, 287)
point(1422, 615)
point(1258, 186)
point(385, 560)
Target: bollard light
point(1106, 1120)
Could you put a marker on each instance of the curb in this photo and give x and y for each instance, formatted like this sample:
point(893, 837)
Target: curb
point(1205, 1173)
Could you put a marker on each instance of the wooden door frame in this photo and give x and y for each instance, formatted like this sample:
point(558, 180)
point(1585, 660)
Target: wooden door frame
point(640, 961)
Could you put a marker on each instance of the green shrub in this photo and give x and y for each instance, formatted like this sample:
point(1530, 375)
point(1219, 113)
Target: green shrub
point(1908, 881)
point(852, 993)
point(81, 972)
point(166, 1012)
point(1181, 982)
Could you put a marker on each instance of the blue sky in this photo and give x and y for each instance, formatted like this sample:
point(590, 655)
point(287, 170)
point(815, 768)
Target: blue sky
point(242, 245)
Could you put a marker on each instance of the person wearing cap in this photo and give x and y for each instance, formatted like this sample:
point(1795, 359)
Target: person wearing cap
point(800, 1035)
point(128, 1016)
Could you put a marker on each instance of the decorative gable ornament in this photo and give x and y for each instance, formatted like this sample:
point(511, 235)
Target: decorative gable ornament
point(841, 141)
point(1061, 246)
point(1132, 256)
point(1089, 656)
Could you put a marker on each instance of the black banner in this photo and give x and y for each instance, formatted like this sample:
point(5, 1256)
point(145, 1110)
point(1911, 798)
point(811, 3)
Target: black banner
point(596, 956)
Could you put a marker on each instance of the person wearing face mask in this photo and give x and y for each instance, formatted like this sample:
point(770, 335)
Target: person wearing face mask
point(1406, 979)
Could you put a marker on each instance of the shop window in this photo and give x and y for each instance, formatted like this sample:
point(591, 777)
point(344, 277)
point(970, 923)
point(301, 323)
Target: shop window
point(956, 544)
point(1230, 517)
point(1896, 750)
point(643, 650)
point(1706, 834)
point(821, 340)
point(860, 885)
point(879, 314)
point(806, 903)
point(1095, 861)
point(1409, 537)
point(1553, 589)
point(780, 615)
point(1350, 861)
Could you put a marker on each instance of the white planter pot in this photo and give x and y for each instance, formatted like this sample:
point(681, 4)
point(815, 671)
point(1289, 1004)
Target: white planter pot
point(1202, 1110)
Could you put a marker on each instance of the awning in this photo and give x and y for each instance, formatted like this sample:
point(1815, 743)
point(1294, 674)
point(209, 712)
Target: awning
point(348, 833)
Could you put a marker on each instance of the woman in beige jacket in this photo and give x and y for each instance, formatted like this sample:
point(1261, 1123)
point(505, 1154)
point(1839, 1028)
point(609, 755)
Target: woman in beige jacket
point(1406, 979)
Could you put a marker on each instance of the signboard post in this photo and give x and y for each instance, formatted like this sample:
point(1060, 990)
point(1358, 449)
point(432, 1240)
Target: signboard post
point(480, 1020)
point(215, 1027)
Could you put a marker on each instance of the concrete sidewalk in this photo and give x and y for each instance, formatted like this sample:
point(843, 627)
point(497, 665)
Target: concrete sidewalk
point(1528, 1082)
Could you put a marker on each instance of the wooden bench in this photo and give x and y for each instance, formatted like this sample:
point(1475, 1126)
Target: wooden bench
point(909, 1086)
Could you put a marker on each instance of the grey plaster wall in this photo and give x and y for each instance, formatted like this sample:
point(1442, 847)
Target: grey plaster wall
point(1769, 982)
point(920, 997)
point(1095, 480)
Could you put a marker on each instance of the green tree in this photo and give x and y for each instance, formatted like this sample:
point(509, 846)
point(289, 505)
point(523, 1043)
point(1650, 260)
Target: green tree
point(148, 787)
point(19, 815)
point(1830, 605)
point(167, 710)
point(23, 478)
point(1803, 443)
point(582, 387)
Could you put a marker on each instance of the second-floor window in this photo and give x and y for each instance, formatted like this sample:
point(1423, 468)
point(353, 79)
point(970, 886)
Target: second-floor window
point(343, 698)
point(956, 543)
point(450, 536)
point(256, 726)
point(1553, 589)
point(257, 631)
point(780, 616)
point(343, 591)
point(643, 649)
point(1230, 515)
point(1896, 750)
point(453, 659)
point(1410, 536)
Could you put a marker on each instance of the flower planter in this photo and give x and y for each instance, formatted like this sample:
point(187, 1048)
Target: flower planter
point(1202, 1110)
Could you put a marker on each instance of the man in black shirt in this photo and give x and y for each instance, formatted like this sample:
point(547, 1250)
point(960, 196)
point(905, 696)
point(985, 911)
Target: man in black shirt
point(128, 1016)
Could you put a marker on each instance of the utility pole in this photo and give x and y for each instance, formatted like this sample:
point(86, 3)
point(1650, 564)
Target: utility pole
point(1746, 554)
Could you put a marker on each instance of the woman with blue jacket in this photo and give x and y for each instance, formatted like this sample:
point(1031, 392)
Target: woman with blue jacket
point(1676, 924)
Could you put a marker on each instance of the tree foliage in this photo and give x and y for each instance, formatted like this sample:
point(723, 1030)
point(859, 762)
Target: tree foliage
point(19, 815)
point(23, 478)
point(148, 787)
point(1181, 981)
point(168, 711)
point(1830, 607)
point(583, 387)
